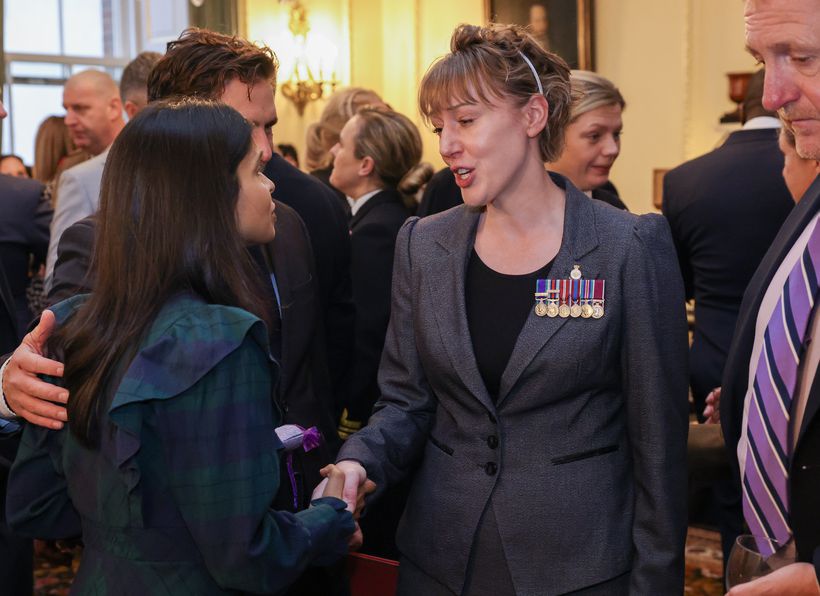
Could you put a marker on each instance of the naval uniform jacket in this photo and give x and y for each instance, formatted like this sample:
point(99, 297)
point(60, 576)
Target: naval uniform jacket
point(584, 452)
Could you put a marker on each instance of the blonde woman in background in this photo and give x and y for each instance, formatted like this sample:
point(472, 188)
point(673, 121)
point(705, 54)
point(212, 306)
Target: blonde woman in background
point(324, 134)
point(592, 141)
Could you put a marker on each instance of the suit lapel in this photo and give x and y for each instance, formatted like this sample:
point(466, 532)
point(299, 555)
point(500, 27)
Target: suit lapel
point(813, 405)
point(580, 238)
point(448, 271)
point(384, 196)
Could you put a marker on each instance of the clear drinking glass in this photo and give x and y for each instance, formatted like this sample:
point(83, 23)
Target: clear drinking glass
point(746, 563)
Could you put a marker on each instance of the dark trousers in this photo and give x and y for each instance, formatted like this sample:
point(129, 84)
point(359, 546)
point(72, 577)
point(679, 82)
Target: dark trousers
point(16, 554)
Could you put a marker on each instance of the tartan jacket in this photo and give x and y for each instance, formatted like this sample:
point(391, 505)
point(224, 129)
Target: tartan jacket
point(176, 498)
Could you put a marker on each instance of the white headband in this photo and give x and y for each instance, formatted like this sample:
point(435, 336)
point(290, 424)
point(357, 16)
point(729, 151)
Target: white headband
point(534, 72)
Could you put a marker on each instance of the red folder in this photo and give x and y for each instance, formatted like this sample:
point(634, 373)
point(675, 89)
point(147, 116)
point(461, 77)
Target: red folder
point(372, 576)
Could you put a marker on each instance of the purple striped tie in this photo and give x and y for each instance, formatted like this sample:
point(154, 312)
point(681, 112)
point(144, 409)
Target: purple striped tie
point(768, 439)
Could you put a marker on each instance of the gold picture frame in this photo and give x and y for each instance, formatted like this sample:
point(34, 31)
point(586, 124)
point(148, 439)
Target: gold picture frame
point(573, 41)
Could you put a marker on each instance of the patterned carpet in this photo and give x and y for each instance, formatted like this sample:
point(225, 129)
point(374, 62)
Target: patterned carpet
point(54, 569)
point(704, 563)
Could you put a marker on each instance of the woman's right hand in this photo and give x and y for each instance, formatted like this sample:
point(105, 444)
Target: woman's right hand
point(334, 481)
point(355, 485)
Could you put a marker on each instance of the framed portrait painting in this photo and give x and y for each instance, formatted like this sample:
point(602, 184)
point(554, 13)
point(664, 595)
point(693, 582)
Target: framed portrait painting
point(561, 26)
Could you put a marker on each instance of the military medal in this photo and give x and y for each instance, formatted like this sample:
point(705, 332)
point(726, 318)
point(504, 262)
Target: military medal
point(586, 307)
point(571, 297)
point(575, 308)
point(552, 300)
point(598, 298)
point(564, 309)
point(540, 297)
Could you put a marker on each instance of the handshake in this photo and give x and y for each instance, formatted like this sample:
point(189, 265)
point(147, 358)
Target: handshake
point(348, 481)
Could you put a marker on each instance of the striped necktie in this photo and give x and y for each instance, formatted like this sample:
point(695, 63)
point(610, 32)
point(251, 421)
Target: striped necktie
point(768, 439)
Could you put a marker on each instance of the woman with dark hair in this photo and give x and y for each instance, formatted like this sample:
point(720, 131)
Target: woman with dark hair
point(169, 462)
point(534, 370)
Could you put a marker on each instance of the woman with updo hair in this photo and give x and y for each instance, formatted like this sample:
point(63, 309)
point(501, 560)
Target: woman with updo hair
point(592, 140)
point(375, 163)
point(534, 375)
point(324, 134)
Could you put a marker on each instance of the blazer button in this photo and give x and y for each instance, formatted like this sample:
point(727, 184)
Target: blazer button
point(492, 442)
point(490, 468)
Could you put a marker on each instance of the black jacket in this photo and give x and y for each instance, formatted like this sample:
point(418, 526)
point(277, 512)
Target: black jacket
point(724, 209)
point(373, 231)
point(326, 224)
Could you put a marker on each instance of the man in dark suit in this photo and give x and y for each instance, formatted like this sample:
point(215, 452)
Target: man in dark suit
point(724, 209)
point(326, 224)
point(25, 216)
point(22, 232)
point(770, 399)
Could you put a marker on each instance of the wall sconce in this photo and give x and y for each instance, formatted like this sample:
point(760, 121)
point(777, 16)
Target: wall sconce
point(312, 55)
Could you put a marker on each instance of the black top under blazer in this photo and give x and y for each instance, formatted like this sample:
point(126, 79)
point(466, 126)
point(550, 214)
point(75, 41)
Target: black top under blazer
point(373, 231)
point(804, 472)
point(584, 453)
point(724, 209)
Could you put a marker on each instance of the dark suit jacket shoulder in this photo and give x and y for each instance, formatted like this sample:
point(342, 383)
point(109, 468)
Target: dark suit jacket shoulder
point(25, 216)
point(373, 239)
point(725, 209)
point(326, 224)
point(440, 194)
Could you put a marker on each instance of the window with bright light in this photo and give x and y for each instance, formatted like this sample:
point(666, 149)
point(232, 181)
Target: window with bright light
point(46, 41)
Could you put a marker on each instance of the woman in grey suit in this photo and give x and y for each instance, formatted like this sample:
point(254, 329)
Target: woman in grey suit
point(534, 371)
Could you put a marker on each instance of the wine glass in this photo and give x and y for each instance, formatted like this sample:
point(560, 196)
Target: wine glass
point(747, 561)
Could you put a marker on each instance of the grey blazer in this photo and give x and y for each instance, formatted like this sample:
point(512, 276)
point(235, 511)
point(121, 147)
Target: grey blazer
point(585, 451)
point(77, 196)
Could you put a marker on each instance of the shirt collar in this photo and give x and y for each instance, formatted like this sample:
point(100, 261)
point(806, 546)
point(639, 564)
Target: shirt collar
point(761, 122)
point(356, 204)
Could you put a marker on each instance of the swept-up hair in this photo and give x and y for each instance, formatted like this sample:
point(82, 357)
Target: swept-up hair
point(489, 62)
point(394, 144)
point(167, 224)
point(201, 62)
